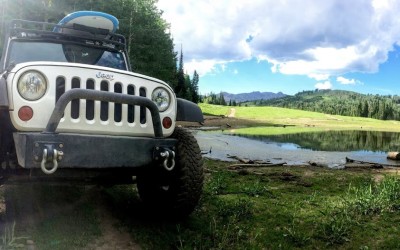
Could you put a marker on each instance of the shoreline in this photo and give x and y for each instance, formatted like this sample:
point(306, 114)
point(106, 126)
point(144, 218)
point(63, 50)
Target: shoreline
point(218, 146)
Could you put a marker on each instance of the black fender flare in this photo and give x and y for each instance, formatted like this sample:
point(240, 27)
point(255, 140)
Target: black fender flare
point(3, 94)
point(188, 111)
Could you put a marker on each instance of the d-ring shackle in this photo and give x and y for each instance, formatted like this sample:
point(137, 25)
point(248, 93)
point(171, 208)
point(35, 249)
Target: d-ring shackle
point(168, 157)
point(45, 160)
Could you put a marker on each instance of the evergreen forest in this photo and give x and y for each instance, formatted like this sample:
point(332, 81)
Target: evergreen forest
point(150, 44)
point(339, 102)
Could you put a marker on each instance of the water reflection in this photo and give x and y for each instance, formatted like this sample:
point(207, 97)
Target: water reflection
point(337, 141)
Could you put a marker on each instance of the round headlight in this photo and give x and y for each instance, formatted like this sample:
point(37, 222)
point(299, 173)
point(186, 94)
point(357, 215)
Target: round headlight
point(32, 85)
point(161, 98)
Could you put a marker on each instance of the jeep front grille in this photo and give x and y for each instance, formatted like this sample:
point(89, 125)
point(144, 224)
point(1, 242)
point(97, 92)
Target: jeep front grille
point(105, 113)
point(88, 116)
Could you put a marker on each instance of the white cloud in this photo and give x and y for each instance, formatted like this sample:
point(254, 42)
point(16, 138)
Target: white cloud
point(235, 72)
point(324, 85)
point(319, 77)
point(305, 37)
point(346, 81)
point(202, 67)
point(379, 4)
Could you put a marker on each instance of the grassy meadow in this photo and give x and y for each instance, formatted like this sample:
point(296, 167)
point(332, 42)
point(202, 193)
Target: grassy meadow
point(285, 121)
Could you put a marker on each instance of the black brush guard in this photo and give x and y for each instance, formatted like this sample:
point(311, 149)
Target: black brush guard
point(92, 151)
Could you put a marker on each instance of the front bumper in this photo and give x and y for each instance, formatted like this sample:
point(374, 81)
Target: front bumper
point(90, 151)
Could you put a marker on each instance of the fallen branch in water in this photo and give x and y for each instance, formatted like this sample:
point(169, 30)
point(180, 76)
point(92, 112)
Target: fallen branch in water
point(373, 164)
point(247, 161)
point(326, 165)
point(317, 164)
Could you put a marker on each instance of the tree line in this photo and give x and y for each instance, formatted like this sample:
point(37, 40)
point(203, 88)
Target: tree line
point(339, 102)
point(217, 99)
point(150, 44)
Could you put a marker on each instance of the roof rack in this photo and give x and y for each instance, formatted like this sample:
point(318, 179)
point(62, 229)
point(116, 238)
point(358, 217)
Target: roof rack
point(77, 33)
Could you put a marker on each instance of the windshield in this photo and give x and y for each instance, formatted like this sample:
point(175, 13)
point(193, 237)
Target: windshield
point(22, 51)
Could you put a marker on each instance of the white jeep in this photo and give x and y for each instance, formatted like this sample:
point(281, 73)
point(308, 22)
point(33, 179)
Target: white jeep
point(71, 109)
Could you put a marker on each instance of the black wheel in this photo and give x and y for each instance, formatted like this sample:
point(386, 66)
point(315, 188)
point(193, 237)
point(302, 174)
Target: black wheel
point(176, 192)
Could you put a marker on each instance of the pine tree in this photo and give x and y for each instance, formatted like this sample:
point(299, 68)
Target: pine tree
point(195, 88)
point(188, 86)
point(180, 89)
point(222, 99)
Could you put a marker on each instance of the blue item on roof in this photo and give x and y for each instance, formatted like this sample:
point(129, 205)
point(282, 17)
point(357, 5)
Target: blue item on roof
point(93, 19)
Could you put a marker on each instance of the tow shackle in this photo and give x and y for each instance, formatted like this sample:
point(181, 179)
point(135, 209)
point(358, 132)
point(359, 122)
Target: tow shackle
point(50, 155)
point(169, 159)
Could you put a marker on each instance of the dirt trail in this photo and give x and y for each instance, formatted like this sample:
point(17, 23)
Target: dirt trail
point(112, 237)
point(232, 113)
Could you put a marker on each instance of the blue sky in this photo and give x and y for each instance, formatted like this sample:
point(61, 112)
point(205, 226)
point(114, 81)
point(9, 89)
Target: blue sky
point(254, 75)
point(288, 45)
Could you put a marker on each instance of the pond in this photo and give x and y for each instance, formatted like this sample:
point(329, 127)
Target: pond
point(374, 141)
point(330, 147)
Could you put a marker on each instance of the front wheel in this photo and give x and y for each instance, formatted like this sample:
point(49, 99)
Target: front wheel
point(176, 192)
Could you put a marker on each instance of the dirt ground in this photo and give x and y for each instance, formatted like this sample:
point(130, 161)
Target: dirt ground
point(29, 211)
point(112, 236)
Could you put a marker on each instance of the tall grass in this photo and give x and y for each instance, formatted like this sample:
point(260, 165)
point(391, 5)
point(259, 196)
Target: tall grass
point(368, 198)
point(372, 198)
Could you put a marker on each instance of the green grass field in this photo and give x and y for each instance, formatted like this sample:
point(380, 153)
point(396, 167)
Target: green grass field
point(275, 208)
point(298, 120)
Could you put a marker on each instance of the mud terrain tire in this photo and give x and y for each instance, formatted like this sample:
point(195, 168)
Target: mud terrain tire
point(176, 192)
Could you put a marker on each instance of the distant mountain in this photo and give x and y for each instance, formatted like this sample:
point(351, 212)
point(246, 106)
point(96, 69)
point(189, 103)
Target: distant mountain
point(256, 95)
